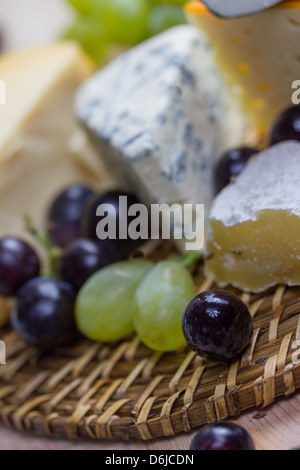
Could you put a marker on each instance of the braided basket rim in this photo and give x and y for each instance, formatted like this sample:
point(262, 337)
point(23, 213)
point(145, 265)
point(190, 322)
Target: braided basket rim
point(126, 391)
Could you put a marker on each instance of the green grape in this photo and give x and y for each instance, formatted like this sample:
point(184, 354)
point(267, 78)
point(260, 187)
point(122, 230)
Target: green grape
point(177, 2)
point(83, 7)
point(169, 2)
point(125, 20)
point(163, 17)
point(91, 35)
point(104, 307)
point(152, 3)
point(160, 302)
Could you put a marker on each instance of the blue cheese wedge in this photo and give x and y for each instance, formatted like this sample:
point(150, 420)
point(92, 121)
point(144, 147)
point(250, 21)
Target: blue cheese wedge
point(161, 116)
point(253, 240)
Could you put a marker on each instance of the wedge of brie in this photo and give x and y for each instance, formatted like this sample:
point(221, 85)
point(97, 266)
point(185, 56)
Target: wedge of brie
point(255, 224)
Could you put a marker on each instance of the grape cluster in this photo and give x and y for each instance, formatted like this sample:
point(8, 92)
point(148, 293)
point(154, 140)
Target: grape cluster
point(92, 287)
point(136, 296)
point(102, 26)
point(44, 313)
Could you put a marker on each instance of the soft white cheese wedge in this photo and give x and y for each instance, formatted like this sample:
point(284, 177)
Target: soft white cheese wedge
point(39, 155)
point(161, 115)
point(253, 240)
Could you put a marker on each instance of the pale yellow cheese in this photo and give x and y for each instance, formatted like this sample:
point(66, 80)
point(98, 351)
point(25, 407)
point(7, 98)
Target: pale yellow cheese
point(254, 226)
point(42, 147)
point(258, 54)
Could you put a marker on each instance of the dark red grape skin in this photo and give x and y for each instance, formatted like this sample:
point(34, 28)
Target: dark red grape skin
point(18, 264)
point(231, 165)
point(90, 220)
point(287, 126)
point(83, 258)
point(222, 436)
point(65, 213)
point(44, 314)
point(217, 325)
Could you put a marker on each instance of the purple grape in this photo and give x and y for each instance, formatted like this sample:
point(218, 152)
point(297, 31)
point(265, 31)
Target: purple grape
point(65, 214)
point(90, 220)
point(44, 314)
point(231, 165)
point(18, 264)
point(84, 258)
point(222, 436)
point(287, 126)
point(217, 325)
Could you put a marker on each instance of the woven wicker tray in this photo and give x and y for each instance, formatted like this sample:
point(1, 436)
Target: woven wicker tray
point(126, 391)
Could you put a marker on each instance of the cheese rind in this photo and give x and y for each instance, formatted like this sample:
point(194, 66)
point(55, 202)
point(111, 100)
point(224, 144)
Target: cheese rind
point(259, 56)
point(161, 115)
point(37, 126)
point(253, 240)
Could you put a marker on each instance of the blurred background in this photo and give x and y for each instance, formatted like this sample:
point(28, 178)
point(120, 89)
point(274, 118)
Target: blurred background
point(29, 23)
point(103, 27)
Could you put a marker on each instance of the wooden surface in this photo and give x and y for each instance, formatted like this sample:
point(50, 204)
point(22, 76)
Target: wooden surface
point(278, 428)
point(33, 22)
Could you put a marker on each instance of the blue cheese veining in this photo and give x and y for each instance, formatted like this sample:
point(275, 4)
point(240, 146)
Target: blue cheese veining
point(161, 115)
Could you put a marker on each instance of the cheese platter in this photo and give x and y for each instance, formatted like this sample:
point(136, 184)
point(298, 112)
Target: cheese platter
point(111, 338)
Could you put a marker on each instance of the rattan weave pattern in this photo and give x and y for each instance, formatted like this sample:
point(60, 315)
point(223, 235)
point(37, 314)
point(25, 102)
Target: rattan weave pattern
point(126, 391)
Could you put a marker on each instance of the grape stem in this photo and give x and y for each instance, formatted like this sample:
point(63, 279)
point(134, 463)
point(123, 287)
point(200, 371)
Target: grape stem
point(189, 259)
point(53, 252)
